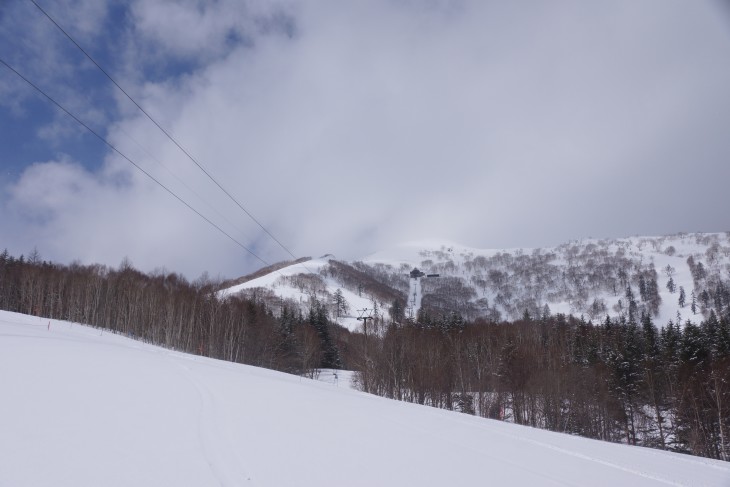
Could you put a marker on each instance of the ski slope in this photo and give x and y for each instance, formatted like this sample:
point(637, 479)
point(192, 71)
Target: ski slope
point(453, 260)
point(414, 297)
point(84, 408)
point(276, 283)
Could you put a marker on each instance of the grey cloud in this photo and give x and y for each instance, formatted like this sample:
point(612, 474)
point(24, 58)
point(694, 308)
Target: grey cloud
point(491, 124)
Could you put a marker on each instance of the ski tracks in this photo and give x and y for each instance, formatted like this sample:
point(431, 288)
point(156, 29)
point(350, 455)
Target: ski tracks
point(516, 464)
point(215, 444)
point(582, 456)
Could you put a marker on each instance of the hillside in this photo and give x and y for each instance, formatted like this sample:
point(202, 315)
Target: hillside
point(589, 277)
point(82, 407)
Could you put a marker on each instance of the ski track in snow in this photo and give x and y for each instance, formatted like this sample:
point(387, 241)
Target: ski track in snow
point(596, 460)
point(511, 464)
point(214, 443)
point(690, 460)
point(88, 408)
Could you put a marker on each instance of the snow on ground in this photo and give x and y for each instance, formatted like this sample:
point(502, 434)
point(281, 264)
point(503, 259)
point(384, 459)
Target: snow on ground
point(270, 280)
point(641, 250)
point(86, 408)
point(355, 303)
point(412, 253)
point(414, 297)
point(284, 290)
point(339, 378)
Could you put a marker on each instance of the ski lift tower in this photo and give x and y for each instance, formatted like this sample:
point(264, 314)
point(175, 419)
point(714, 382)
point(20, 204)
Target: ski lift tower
point(365, 315)
point(414, 303)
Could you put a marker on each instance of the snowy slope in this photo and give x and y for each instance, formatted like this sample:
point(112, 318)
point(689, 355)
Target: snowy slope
point(85, 408)
point(413, 302)
point(644, 251)
point(277, 281)
point(534, 278)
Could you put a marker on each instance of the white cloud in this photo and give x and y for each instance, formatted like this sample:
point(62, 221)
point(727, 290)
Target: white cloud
point(385, 121)
point(47, 189)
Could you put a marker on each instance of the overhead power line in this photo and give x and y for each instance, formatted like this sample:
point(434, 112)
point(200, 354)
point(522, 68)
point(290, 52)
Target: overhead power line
point(105, 141)
point(179, 179)
point(174, 141)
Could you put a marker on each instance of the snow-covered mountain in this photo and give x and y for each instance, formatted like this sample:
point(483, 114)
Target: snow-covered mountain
point(589, 277)
point(83, 407)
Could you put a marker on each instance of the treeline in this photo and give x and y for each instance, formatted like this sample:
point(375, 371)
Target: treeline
point(165, 309)
point(589, 276)
point(621, 381)
point(379, 282)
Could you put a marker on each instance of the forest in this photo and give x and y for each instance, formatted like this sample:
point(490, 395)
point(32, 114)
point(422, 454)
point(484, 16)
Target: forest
point(165, 309)
point(618, 379)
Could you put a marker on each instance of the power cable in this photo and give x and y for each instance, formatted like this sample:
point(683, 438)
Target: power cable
point(131, 161)
point(174, 141)
point(170, 172)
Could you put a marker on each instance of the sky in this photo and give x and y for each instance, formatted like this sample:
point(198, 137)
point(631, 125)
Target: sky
point(349, 127)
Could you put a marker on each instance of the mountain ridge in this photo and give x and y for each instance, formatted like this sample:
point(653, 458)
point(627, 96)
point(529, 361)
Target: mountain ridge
point(589, 277)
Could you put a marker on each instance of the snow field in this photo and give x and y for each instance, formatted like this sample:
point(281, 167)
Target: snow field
point(82, 407)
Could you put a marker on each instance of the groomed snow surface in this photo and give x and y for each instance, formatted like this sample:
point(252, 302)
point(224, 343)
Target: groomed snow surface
point(84, 408)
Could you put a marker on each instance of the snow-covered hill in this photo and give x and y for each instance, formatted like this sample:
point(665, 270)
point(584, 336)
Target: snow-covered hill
point(299, 282)
point(588, 277)
point(81, 407)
